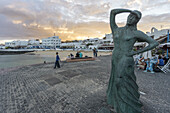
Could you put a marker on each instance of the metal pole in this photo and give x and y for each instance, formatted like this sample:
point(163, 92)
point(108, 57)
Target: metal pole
point(55, 43)
point(167, 44)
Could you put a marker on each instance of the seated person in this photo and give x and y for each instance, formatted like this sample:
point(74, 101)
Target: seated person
point(165, 59)
point(77, 55)
point(68, 57)
point(160, 61)
point(137, 58)
point(147, 64)
point(150, 65)
point(142, 63)
point(80, 54)
point(71, 55)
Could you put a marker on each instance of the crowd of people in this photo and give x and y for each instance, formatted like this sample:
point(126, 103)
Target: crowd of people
point(151, 64)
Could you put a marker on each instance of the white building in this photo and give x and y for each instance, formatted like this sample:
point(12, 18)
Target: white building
point(23, 43)
point(2, 46)
point(51, 42)
point(93, 46)
point(9, 44)
point(159, 35)
point(34, 42)
point(91, 41)
point(72, 45)
point(106, 42)
point(17, 43)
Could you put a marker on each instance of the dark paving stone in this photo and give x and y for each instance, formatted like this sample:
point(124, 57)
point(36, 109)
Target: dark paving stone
point(46, 76)
point(53, 81)
point(70, 73)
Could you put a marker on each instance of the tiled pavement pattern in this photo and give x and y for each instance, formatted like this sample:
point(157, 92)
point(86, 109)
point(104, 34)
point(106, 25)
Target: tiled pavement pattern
point(78, 87)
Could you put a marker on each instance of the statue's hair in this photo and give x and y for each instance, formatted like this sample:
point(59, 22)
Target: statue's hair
point(137, 13)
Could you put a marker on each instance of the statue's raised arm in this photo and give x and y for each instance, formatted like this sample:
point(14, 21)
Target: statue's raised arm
point(113, 15)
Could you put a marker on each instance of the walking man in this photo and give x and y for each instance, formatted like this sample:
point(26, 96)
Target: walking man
point(94, 52)
point(57, 61)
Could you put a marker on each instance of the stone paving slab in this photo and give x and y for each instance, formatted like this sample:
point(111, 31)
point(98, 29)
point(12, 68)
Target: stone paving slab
point(53, 81)
point(77, 87)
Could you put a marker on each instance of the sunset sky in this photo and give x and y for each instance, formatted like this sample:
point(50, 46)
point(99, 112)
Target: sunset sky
point(74, 19)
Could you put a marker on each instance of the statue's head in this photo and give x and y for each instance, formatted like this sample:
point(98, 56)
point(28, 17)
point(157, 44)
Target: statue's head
point(134, 17)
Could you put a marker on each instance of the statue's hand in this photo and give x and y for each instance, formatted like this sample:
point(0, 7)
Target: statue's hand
point(136, 13)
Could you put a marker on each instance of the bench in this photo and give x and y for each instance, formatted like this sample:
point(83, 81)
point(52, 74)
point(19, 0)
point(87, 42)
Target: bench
point(80, 59)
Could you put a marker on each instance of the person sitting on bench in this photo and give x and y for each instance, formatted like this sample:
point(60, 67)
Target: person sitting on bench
point(77, 55)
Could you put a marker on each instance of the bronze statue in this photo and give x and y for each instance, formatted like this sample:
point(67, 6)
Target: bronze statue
point(122, 92)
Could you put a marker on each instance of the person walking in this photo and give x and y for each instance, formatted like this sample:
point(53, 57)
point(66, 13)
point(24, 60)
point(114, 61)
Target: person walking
point(57, 61)
point(94, 52)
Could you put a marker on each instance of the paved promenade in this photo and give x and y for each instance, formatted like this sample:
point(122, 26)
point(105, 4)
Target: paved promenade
point(78, 87)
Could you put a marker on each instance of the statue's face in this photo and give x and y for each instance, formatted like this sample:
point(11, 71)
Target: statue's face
point(132, 19)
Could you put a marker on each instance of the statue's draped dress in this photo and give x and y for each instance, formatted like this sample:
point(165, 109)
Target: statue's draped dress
point(122, 92)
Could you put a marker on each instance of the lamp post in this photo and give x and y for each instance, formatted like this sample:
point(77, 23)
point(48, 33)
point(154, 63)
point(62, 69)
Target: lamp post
point(167, 44)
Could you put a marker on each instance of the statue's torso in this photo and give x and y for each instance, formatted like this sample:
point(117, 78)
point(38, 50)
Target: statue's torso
point(123, 41)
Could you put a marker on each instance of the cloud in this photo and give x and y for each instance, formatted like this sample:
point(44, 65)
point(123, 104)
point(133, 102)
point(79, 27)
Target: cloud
point(70, 19)
point(157, 18)
point(158, 21)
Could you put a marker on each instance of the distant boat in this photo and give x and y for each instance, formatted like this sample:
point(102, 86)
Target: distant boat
point(14, 51)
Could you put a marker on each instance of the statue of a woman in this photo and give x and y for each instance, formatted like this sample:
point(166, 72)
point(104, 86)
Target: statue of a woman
point(122, 92)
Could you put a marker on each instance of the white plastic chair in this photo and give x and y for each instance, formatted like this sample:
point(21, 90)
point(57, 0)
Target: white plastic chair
point(165, 68)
